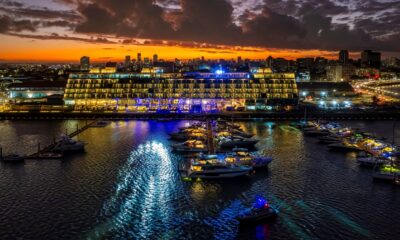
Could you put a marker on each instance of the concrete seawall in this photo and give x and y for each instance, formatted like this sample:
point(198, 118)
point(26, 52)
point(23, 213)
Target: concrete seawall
point(358, 115)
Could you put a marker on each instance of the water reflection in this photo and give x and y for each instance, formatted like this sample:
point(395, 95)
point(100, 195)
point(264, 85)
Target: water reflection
point(126, 186)
point(143, 195)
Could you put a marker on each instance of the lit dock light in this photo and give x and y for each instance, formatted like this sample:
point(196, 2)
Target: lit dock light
point(219, 71)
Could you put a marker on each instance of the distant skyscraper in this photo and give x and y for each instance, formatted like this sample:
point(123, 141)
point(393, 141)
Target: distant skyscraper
point(343, 57)
point(127, 61)
point(239, 60)
point(270, 61)
point(85, 63)
point(305, 63)
point(371, 59)
point(139, 57)
point(155, 58)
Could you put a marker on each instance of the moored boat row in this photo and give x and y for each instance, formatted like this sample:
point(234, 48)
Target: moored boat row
point(218, 149)
point(372, 151)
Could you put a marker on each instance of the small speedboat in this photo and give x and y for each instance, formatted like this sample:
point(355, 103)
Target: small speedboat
point(260, 212)
point(13, 158)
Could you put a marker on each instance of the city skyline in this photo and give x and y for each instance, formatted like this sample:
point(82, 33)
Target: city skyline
point(63, 30)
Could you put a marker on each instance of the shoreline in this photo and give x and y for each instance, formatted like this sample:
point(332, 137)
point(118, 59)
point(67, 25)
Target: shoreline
point(243, 116)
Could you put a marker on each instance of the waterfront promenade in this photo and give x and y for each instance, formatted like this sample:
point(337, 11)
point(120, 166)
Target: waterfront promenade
point(293, 115)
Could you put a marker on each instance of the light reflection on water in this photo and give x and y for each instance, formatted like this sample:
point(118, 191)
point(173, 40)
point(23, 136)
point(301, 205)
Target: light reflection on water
point(127, 187)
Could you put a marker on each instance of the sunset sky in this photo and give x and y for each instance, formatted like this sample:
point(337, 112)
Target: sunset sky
point(65, 30)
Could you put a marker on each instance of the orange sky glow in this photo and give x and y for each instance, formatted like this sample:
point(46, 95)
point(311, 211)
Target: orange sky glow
point(15, 49)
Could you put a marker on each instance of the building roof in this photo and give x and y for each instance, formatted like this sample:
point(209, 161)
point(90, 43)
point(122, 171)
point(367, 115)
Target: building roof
point(39, 84)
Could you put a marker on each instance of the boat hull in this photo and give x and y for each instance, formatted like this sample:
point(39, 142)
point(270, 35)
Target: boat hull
point(220, 175)
point(272, 214)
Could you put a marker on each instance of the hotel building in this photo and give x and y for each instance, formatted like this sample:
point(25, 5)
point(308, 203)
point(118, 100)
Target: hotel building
point(153, 90)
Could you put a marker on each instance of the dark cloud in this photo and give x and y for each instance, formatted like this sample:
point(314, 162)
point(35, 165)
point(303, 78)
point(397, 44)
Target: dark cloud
point(8, 24)
point(42, 13)
point(294, 24)
point(56, 36)
point(137, 18)
point(273, 29)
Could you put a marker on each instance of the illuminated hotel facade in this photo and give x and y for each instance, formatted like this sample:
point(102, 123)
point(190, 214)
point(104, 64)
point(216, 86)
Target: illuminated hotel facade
point(155, 91)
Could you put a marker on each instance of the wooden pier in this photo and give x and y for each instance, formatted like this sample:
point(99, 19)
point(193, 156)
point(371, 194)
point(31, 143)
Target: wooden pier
point(49, 147)
point(210, 138)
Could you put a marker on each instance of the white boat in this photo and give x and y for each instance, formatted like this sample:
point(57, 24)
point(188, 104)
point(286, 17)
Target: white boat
point(67, 144)
point(244, 157)
point(217, 171)
point(236, 142)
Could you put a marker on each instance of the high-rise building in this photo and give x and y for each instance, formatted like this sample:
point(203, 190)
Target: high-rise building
point(127, 61)
point(339, 72)
point(305, 63)
point(334, 73)
point(85, 63)
point(239, 60)
point(343, 57)
point(370, 59)
point(139, 57)
point(270, 61)
point(155, 58)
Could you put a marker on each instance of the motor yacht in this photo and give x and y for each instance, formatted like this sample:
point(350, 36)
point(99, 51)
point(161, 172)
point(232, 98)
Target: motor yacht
point(236, 142)
point(244, 157)
point(190, 146)
point(216, 171)
point(67, 144)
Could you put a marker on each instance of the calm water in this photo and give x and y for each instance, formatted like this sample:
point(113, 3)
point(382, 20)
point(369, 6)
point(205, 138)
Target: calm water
point(126, 186)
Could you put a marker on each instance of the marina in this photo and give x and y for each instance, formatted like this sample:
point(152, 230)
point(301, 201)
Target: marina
point(373, 151)
point(132, 168)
